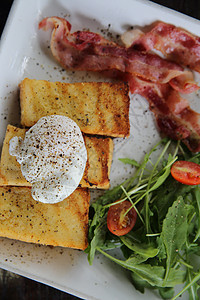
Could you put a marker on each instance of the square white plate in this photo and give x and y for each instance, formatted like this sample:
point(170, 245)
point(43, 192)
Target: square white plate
point(24, 53)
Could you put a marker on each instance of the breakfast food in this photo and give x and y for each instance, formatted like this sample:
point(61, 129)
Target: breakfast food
point(85, 50)
point(157, 79)
point(96, 174)
point(174, 42)
point(97, 107)
point(52, 156)
point(60, 224)
point(98, 166)
point(173, 114)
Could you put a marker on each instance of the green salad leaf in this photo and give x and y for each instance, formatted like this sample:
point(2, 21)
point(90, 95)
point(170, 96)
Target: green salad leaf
point(174, 231)
point(161, 249)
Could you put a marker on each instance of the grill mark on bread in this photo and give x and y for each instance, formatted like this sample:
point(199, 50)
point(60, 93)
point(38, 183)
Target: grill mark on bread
point(96, 174)
point(92, 105)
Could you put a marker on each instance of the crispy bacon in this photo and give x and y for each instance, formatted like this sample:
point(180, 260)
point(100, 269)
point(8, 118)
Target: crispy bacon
point(175, 43)
point(169, 40)
point(173, 114)
point(149, 75)
point(83, 50)
point(184, 83)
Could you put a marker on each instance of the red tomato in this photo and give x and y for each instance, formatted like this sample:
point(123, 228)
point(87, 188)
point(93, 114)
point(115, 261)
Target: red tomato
point(186, 172)
point(118, 221)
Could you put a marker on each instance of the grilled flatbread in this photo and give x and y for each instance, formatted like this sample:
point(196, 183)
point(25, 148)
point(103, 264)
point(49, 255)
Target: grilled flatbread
point(100, 108)
point(61, 224)
point(97, 171)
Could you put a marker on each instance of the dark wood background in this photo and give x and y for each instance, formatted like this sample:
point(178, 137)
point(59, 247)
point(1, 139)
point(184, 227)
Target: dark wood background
point(15, 287)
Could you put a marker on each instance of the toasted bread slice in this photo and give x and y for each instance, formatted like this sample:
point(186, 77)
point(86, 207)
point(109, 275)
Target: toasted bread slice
point(97, 171)
point(97, 107)
point(61, 224)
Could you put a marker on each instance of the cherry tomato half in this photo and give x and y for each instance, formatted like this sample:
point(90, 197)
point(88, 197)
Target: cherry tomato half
point(186, 172)
point(118, 221)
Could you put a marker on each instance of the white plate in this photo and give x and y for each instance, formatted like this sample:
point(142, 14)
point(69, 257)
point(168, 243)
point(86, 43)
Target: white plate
point(24, 52)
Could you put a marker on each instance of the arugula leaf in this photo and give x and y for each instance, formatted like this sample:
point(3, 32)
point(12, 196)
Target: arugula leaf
point(188, 286)
point(193, 289)
point(98, 240)
point(166, 195)
point(174, 232)
point(159, 250)
point(139, 283)
point(162, 250)
point(129, 161)
point(166, 293)
point(146, 250)
point(154, 275)
point(136, 258)
point(196, 194)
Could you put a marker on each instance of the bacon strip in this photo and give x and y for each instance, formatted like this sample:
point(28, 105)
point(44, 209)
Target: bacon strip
point(175, 43)
point(83, 50)
point(173, 114)
point(170, 41)
point(157, 79)
point(185, 83)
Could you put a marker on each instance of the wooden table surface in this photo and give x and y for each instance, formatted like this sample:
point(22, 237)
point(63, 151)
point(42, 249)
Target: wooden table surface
point(15, 287)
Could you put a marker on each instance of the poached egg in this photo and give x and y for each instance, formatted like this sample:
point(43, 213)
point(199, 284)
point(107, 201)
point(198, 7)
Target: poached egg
point(53, 157)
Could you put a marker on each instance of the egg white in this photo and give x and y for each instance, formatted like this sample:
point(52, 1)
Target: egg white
point(53, 157)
